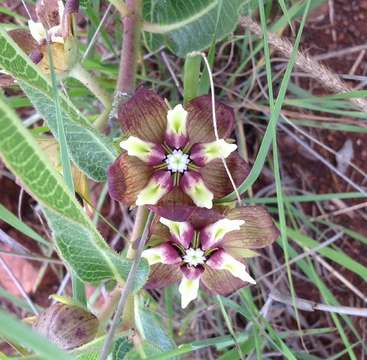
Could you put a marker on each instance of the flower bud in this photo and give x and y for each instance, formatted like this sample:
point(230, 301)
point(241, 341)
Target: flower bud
point(54, 28)
point(67, 326)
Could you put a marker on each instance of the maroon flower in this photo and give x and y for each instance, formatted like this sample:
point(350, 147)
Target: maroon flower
point(210, 255)
point(171, 160)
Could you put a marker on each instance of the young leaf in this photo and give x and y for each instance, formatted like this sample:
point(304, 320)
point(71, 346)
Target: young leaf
point(77, 240)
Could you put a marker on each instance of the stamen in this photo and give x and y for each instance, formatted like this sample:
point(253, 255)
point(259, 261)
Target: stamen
point(194, 257)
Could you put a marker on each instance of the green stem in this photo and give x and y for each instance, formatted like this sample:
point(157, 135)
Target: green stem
point(126, 291)
point(191, 77)
point(140, 221)
point(79, 73)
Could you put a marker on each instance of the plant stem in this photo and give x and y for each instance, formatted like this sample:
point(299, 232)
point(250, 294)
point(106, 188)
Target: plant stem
point(79, 73)
point(130, 47)
point(140, 220)
point(121, 7)
point(125, 292)
point(191, 77)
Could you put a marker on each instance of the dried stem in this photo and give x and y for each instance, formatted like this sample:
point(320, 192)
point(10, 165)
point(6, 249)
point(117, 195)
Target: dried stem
point(318, 71)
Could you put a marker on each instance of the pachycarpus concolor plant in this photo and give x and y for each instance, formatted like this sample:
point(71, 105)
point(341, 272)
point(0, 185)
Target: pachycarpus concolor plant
point(55, 28)
point(207, 254)
point(171, 160)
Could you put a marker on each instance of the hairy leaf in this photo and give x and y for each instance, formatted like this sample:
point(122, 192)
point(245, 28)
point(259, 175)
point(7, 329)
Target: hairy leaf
point(77, 240)
point(91, 151)
point(188, 25)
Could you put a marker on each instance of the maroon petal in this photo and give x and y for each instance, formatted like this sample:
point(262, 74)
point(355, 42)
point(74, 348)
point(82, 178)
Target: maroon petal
point(200, 122)
point(144, 116)
point(220, 282)
point(48, 13)
point(257, 232)
point(192, 272)
point(24, 40)
point(162, 275)
point(216, 178)
point(127, 176)
point(175, 206)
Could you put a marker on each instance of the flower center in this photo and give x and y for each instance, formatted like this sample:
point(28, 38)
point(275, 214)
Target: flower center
point(177, 161)
point(194, 257)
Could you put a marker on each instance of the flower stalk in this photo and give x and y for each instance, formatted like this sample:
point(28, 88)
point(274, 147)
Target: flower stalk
point(125, 292)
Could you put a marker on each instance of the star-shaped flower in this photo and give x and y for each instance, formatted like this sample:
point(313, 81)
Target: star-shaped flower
point(207, 255)
point(171, 160)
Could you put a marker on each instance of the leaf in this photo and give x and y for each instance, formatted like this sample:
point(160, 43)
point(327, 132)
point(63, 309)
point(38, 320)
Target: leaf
point(145, 348)
point(23, 335)
point(90, 150)
point(151, 330)
point(77, 240)
point(89, 356)
point(188, 25)
point(121, 347)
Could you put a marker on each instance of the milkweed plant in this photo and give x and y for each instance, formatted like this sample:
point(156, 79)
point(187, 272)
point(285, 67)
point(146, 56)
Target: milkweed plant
point(166, 161)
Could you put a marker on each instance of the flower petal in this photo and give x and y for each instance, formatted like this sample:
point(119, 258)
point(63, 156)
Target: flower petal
point(189, 286)
point(258, 230)
point(24, 40)
point(176, 132)
point(220, 282)
point(37, 31)
point(181, 232)
point(175, 205)
point(200, 122)
point(202, 154)
point(164, 253)
point(221, 260)
point(193, 185)
point(214, 233)
point(216, 178)
point(144, 116)
point(49, 12)
point(150, 153)
point(159, 185)
point(162, 275)
point(127, 176)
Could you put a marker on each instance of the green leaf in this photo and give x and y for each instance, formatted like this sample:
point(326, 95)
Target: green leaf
point(188, 25)
point(91, 151)
point(77, 240)
point(89, 356)
point(151, 330)
point(23, 335)
point(120, 348)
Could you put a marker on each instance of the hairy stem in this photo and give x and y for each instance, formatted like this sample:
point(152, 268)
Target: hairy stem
point(132, 26)
point(130, 47)
point(125, 292)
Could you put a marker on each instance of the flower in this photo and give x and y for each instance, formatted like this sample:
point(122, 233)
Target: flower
point(171, 160)
point(54, 28)
point(208, 255)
